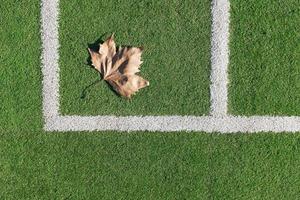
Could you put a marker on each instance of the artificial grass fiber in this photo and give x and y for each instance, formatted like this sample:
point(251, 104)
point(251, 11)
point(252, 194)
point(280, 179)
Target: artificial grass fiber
point(176, 38)
point(265, 57)
point(108, 165)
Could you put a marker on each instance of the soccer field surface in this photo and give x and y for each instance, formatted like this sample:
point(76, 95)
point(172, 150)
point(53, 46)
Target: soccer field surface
point(264, 80)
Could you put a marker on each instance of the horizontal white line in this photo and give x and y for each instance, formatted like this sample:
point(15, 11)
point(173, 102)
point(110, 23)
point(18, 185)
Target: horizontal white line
point(228, 124)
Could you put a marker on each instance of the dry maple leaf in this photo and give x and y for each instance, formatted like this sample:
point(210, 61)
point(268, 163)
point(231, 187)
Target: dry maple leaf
point(119, 67)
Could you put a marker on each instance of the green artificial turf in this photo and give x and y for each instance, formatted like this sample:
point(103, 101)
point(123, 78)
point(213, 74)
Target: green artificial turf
point(20, 74)
point(176, 38)
point(107, 165)
point(265, 57)
point(149, 166)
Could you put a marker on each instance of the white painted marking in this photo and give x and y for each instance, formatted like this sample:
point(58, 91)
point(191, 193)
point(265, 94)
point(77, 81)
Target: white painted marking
point(219, 57)
point(218, 122)
point(50, 56)
point(176, 123)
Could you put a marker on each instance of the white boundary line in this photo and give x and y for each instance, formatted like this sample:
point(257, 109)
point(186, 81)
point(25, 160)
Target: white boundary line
point(219, 121)
point(175, 123)
point(219, 57)
point(50, 56)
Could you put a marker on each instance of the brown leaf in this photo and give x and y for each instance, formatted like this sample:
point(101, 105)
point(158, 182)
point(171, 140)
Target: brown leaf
point(119, 68)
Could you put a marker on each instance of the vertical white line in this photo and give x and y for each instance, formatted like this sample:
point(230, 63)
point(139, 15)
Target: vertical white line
point(219, 57)
point(50, 69)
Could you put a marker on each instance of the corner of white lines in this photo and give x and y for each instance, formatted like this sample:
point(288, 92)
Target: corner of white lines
point(218, 121)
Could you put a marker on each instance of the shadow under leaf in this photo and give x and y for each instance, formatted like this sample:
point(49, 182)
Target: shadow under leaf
point(85, 90)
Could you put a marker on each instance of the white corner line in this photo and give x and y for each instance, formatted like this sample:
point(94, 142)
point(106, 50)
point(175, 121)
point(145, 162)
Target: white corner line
point(219, 121)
